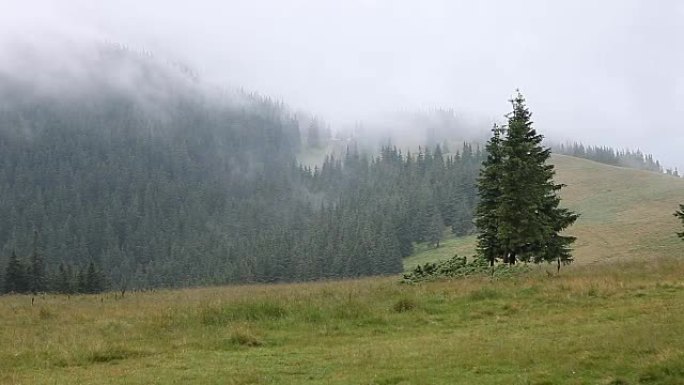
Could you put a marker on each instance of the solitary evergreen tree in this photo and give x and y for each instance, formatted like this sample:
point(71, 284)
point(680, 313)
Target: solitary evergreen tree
point(518, 217)
point(680, 215)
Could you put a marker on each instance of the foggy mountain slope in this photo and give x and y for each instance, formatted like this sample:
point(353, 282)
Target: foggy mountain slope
point(160, 180)
point(134, 165)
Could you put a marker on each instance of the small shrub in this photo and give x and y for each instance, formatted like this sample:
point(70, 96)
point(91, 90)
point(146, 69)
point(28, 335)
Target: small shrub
point(593, 292)
point(112, 354)
point(245, 337)
point(460, 267)
point(395, 380)
point(404, 304)
point(45, 314)
point(618, 381)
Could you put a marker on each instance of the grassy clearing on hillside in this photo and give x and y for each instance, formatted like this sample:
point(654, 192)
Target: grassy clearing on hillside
point(612, 324)
point(625, 213)
point(462, 246)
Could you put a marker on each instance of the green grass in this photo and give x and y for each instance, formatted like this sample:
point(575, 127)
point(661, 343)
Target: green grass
point(450, 246)
point(625, 214)
point(591, 325)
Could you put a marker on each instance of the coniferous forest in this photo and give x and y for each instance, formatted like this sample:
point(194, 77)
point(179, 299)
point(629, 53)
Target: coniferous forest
point(608, 155)
point(184, 186)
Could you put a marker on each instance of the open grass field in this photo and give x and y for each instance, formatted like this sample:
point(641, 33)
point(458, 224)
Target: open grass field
point(620, 321)
point(605, 324)
point(626, 213)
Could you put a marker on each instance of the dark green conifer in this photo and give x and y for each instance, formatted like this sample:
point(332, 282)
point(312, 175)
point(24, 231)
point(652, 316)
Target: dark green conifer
point(94, 282)
point(36, 270)
point(521, 202)
point(16, 280)
point(63, 281)
point(489, 190)
point(435, 228)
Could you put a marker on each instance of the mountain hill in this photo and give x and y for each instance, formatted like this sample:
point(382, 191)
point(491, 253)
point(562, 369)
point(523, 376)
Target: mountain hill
point(625, 213)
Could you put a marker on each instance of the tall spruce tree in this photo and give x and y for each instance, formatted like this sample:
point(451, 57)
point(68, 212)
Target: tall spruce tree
point(519, 218)
point(489, 190)
point(680, 214)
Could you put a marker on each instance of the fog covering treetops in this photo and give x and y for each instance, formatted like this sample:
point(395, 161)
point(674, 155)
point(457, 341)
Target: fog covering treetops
point(133, 164)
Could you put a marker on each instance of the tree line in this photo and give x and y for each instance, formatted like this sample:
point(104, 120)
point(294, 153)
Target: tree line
point(608, 155)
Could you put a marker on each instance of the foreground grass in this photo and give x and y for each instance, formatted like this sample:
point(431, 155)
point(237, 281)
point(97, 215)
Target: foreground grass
point(612, 324)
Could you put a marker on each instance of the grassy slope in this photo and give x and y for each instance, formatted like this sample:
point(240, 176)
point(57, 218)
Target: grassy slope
point(626, 213)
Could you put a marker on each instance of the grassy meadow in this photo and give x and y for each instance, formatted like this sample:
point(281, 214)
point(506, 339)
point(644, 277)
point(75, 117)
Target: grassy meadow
point(620, 321)
point(611, 324)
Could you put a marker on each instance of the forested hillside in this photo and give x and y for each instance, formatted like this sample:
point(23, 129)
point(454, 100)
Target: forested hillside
point(608, 155)
point(145, 173)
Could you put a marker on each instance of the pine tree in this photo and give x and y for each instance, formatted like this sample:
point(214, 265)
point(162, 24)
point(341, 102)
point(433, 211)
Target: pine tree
point(93, 280)
point(63, 281)
point(519, 217)
point(36, 270)
point(435, 228)
point(680, 215)
point(16, 280)
point(489, 190)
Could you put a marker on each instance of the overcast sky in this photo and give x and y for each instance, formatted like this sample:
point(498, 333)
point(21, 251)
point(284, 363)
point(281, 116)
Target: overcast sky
point(604, 72)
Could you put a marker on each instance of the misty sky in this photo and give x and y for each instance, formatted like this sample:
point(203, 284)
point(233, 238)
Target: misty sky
point(604, 72)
